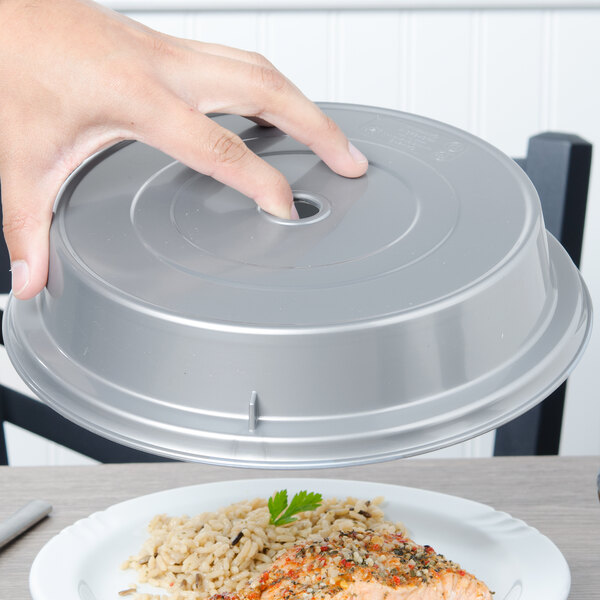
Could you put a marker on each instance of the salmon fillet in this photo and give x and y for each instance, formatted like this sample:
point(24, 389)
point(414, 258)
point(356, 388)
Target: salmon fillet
point(363, 566)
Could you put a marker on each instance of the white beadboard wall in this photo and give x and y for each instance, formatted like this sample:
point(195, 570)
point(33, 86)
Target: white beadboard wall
point(503, 73)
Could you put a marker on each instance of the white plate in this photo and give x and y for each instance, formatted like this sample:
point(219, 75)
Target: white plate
point(514, 560)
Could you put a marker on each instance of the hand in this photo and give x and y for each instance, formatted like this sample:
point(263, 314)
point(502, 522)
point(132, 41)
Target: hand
point(77, 77)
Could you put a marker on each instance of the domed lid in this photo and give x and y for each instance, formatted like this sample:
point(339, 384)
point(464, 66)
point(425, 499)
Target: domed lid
point(413, 307)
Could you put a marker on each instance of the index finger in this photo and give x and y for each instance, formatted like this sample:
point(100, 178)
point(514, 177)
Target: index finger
point(282, 104)
point(269, 96)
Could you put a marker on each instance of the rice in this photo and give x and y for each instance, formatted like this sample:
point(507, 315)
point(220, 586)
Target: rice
point(196, 557)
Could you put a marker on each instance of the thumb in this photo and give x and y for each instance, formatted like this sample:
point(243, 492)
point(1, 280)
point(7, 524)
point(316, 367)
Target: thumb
point(27, 213)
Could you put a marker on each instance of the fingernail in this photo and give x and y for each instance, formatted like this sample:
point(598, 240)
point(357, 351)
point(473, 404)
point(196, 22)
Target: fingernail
point(294, 216)
point(20, 276)
point(356, 154)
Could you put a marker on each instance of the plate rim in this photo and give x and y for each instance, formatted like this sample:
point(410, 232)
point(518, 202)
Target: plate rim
point(450, 501)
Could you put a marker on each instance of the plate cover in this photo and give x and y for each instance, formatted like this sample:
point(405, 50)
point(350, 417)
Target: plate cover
point(420, 305)
point(514, 560)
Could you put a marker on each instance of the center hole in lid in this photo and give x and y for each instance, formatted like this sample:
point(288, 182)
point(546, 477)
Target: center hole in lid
point(306, 205)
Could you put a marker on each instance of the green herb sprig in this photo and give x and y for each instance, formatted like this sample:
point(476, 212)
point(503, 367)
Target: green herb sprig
point(301, 502)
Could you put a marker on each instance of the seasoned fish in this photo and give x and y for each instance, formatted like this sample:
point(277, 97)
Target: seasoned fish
point(363, 566)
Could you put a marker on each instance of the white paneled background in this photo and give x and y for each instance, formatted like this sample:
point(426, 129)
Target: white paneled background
point(503, 73)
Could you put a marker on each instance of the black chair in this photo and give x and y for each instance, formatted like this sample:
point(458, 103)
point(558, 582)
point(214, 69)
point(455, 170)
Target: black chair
point(559, 166)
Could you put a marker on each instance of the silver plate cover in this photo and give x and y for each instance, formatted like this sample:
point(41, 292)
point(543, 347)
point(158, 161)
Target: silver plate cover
point(423, 304)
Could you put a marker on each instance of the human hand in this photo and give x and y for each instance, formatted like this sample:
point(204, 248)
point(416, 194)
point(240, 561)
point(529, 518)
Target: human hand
point(77, 77)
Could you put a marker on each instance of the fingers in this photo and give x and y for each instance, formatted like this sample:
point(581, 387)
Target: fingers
point(253, 58)
point(225, 51)
point(200, 143)
point(27, 212)
point(306, 122)
point(248, 84)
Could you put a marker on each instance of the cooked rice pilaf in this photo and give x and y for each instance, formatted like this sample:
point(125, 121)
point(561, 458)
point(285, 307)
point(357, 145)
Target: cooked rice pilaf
point(192, 558)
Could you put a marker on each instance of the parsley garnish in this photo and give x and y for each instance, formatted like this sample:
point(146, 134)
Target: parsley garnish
point(301, 502)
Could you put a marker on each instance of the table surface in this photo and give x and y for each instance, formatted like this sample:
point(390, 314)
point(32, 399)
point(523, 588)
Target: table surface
point(557, 496)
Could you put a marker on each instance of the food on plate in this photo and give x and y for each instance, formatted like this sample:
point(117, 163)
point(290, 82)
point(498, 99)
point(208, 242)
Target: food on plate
point(307, 549)
point(362, 565)
point(194, 558)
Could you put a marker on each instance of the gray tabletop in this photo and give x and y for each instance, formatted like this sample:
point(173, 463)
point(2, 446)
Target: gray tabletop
point(555, 495)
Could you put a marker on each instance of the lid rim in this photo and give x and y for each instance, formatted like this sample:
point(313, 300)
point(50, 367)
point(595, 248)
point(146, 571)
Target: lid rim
point(289, 463)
